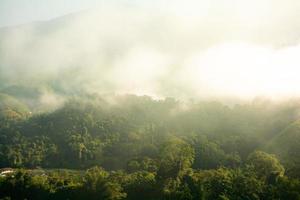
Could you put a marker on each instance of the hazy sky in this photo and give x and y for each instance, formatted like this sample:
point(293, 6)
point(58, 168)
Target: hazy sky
point(13, 12)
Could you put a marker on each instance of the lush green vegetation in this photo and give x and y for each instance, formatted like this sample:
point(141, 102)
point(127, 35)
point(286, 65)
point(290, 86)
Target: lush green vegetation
point(130, 147)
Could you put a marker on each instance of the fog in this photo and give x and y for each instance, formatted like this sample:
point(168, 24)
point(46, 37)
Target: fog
point(191, 49)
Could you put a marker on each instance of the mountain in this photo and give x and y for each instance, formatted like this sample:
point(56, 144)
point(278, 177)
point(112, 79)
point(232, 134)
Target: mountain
point(131, 49)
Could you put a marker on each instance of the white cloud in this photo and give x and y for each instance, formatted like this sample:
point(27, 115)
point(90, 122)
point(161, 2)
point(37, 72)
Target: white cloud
point(195, 48)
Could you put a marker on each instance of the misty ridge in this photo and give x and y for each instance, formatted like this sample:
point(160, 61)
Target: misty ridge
point(165, 52)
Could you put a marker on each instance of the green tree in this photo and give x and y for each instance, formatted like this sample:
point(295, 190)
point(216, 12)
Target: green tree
point(176, 156)
point(266, 165)
point(97, 186)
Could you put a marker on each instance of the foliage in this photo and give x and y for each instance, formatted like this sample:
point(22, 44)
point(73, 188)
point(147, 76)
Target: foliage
point(149, 149)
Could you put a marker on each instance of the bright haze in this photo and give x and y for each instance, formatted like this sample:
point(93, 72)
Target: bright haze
point(183, 49)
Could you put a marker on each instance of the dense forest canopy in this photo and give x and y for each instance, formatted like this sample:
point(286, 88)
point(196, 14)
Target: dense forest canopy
point(133, 147)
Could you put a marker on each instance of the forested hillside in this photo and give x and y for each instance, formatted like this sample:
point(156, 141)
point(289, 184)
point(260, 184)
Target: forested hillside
point(149, 100)
point(137, 147)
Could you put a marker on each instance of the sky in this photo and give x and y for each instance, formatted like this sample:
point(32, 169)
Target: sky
point(14, 12)
point(159, 47)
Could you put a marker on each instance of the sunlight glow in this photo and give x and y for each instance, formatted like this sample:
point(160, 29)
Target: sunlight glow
point(248, 70)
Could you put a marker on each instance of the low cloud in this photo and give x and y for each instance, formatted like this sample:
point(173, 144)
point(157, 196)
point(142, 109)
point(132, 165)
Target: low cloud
point(193, 49)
